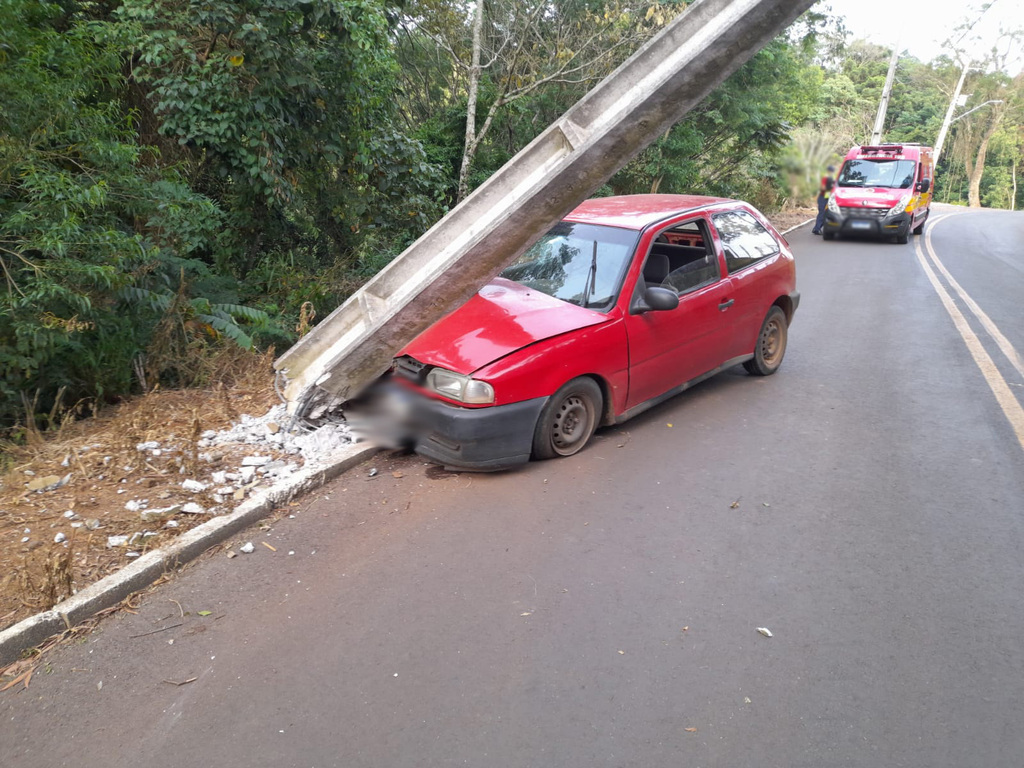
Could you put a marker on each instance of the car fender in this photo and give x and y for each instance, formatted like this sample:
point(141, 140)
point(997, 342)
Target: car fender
point(539, 369)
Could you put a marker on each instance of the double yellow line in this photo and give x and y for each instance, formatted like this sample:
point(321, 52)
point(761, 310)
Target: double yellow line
point(1004, 396)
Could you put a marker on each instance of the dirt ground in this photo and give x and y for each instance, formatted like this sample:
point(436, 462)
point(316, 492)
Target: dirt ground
point(54, 541)
point(791, 217)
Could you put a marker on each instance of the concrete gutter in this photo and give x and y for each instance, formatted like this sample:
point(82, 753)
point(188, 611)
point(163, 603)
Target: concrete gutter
point(797, 226)
point(151, 566)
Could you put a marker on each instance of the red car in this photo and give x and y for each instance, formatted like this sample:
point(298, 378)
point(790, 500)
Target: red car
point(625, 303)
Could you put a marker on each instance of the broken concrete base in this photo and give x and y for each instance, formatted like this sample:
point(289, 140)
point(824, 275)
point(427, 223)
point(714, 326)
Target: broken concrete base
point(151, 566)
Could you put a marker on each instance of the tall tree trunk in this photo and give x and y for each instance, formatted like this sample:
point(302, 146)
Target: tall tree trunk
point(469, 148)
point(974, 191)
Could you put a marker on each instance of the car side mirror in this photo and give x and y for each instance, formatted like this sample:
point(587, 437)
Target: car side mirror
point(924, 185)
point(656, 299)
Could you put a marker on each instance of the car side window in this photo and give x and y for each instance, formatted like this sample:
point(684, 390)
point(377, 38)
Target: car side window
point(682, 259)
point(745, 240)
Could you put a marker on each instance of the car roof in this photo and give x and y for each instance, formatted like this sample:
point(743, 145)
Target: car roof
point(638, 211)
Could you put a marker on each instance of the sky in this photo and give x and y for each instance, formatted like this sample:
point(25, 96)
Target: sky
point(922, 28)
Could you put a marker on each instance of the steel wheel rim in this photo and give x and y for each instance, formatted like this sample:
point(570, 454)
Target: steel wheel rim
point(571, 426)
point(772, 342)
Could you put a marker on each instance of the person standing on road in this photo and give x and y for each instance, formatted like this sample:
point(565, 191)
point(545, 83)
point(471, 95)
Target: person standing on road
point(828, 183)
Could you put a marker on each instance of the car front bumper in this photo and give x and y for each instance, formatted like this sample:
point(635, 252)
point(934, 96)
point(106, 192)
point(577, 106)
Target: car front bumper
point(868, 223)
point(490, 438)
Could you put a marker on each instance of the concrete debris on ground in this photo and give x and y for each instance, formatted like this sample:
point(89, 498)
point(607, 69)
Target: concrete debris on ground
point(48, 483)
point(266, 431)
point(132, 490)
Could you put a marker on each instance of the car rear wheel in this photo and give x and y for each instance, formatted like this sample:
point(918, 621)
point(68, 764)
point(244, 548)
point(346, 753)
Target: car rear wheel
point(828, 235)
point(568, 420)
point(771, 344)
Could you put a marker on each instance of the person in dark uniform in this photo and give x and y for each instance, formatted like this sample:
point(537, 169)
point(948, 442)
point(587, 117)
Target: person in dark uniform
point(828, 183)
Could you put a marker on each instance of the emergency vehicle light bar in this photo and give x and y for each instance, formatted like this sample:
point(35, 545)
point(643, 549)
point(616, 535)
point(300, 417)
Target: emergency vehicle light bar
point(894, 149)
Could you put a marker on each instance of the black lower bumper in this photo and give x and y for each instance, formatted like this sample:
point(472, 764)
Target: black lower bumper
point(496, 437)
point(868, 225)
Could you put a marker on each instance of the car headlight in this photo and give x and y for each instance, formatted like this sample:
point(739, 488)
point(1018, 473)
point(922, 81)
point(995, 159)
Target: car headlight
point(901, 205)
point(833, 205)
point(458, 387)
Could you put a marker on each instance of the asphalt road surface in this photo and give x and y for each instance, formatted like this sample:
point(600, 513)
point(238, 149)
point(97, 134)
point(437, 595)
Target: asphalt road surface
point(866, 505)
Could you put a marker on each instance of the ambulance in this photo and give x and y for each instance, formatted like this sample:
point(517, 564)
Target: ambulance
point(882, 191)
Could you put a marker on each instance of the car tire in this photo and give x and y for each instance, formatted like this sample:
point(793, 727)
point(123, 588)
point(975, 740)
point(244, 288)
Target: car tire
point(568, 420)
point(828, 235)
point(903, 239)
point(920, 227)
point(771, 344)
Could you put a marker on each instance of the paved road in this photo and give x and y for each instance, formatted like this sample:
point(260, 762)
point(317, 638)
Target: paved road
point(866, 504)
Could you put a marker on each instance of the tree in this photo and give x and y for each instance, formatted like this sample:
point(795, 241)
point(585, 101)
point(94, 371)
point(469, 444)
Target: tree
point(502, 51)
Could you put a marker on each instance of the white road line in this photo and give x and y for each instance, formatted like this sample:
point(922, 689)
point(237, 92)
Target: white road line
point(1011, 408)
point(1001, 341)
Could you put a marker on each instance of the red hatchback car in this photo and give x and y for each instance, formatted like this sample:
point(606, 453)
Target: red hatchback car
point(625, 303)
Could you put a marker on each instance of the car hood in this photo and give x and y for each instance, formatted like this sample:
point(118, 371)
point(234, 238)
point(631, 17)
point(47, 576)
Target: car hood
point(503, 317)
point(869, 197)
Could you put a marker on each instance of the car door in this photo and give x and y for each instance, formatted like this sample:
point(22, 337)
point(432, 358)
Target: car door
point(668, 348)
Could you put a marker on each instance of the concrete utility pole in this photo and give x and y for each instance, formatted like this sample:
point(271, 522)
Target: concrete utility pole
point(883, 105)
point(949, 113)
point(559, 169)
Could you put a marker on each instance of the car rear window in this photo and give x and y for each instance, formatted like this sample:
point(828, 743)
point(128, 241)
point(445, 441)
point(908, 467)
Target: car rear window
point(744, 239)
point(582, 264)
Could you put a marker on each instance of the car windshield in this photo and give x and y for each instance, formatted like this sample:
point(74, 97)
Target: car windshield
point(896, 174)
point(582, 264)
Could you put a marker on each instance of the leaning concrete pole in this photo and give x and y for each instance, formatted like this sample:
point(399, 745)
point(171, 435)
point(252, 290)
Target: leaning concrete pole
point(883, 103)
point(559, 169)
point(948, 119)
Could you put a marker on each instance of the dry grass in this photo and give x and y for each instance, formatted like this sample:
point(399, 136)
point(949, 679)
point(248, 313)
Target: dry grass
point(790, 217)
point(106, 469)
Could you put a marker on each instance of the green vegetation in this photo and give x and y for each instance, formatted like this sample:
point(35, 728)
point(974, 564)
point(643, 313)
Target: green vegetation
point(177, 177)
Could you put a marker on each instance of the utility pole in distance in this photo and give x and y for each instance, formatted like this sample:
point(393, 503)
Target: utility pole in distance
point(883, 104)
point(949, 113)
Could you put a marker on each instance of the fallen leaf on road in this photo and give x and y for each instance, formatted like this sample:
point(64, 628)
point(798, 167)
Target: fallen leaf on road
point(528, 613)
point(397, 474)
point(746, 700)
point(765, 631)
point(24, 677)
point(182, 682)
point(668, 425)
point(204, 613)
point(735, 504)
point(272, 549)
point(686, 629)
point(691, 730)
point(622, 653)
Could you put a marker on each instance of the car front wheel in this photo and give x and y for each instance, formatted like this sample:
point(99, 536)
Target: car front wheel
point(568, 420)
point(771, 344)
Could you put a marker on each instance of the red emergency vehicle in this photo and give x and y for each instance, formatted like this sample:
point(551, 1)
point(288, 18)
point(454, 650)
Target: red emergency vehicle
point(882, 191)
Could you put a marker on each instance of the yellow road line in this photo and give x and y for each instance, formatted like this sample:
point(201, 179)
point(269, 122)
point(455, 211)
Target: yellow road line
point(1011, 408)
point(1001, 341)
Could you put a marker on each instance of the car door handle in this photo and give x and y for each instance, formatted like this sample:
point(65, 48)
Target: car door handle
point(726, 304)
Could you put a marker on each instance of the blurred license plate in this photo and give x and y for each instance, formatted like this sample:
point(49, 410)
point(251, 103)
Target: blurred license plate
point(860, 225)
